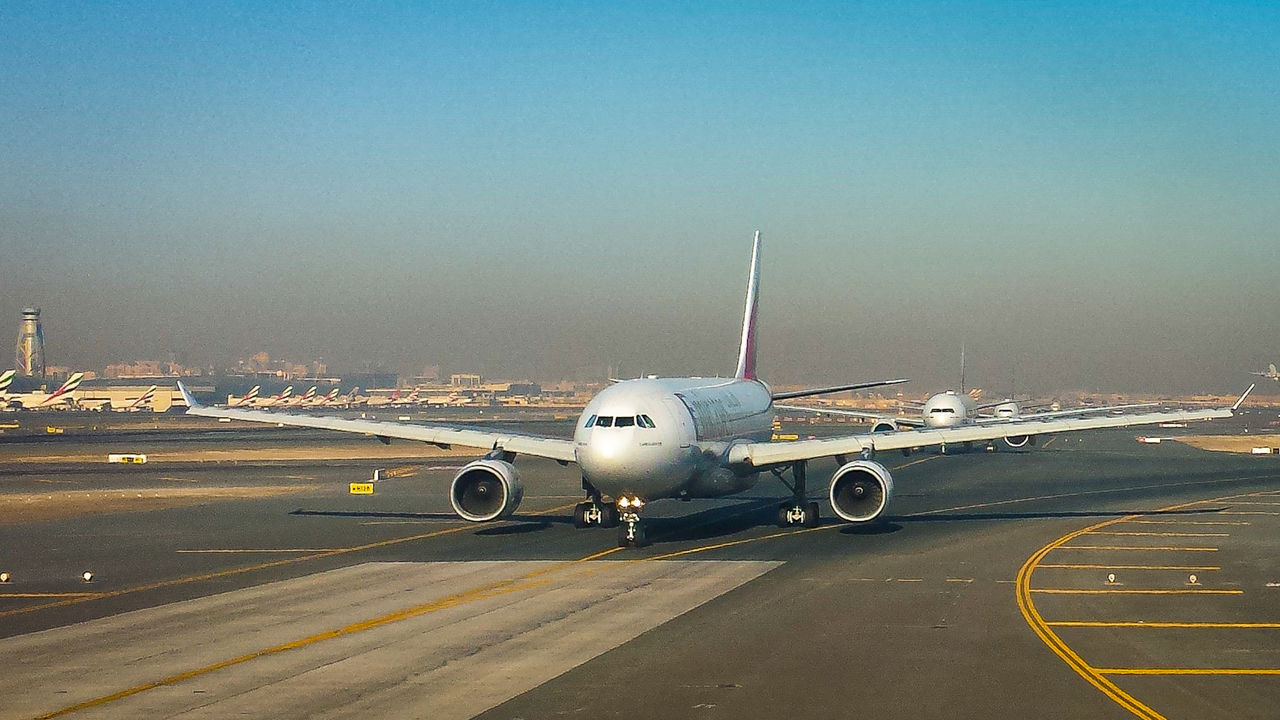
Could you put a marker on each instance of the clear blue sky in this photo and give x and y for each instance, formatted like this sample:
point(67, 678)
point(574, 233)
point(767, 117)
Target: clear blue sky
point(1085, 194)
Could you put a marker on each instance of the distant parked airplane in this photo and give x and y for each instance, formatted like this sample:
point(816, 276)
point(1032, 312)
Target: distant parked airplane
point(248, 398)
point(142, 402)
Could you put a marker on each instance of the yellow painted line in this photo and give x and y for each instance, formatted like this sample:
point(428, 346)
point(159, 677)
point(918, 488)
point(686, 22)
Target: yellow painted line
point(1186, 522)
point(49, 595)
point(1253, 502)
point(1130, 591)
point(1190, 568)
point(260, 566)
point(1023, 595)
point(1189, 671)
point(963, 580)
point(1160, 534)
point(1164, 548)
point(915, 462)
point(910, 579)
point(1046, 442)
point(1159, 625)
point(263, 550)
point(1248, 512)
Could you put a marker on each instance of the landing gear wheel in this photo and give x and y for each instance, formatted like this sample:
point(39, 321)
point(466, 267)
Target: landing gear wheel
point(811, 515)
point(580, 515)
point(783, 520)
point(609, 515)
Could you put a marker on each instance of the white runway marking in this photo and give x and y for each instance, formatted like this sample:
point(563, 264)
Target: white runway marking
point(443, 640)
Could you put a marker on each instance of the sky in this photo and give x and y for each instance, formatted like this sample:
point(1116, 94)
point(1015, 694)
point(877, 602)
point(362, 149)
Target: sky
point(1084, 195)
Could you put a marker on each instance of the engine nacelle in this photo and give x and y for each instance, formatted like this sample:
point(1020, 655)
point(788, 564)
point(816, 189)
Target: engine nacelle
point(1017, 441)
point(861, 490)
point(486, 490)
point(884, 426)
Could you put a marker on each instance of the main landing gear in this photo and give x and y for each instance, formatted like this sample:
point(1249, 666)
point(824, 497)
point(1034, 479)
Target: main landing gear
point(594, 511)
point(800, 511)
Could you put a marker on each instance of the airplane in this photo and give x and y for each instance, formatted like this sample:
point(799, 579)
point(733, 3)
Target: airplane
point(280, 398)
point(142, 401)
point(950, 409)
point(1271, 374)
point(62, 396)
point(380, 400)
point(60, 399)
point(648, 439)
point(249, 398)
point(299, 400)
point(326, 399)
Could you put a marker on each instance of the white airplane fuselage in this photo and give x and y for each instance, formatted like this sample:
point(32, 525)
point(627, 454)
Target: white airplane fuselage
point(673, 436)
point(949, 409)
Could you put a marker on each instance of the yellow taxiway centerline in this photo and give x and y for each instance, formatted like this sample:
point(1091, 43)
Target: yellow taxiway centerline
point(1162, 625)
point(1189, 568)
point(1189, 671)
point(1134, 591)
point(1163, 548)
point(1160, 534)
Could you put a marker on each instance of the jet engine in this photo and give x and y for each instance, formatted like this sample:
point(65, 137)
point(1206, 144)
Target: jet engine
point(860, 490)
point(1017, 441)
point(884, 426)
point(486, 490)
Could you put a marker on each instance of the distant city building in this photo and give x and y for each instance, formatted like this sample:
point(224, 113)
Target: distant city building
point(465, 380)
point(29, 360)
point(149, 368)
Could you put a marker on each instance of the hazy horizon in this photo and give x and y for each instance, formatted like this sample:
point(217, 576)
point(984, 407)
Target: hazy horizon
point(1084, 198)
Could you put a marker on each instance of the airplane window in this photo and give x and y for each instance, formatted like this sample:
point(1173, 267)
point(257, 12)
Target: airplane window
point(590, 421)
point(604, 421)
point(624, 421)
point(645, 421)
point(942, 410)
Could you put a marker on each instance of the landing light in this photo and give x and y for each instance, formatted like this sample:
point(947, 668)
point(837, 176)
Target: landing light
point(624, 503)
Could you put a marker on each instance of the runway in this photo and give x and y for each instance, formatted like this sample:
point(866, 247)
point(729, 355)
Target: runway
point(1051, 583)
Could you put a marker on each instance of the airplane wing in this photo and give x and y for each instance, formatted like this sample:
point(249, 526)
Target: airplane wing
point(1069, 412)
point(836, 388)
point(768, 454)
point(552, 448)
point(908, 421)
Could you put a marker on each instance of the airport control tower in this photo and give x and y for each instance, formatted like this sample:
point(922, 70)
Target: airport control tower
point(30, 358)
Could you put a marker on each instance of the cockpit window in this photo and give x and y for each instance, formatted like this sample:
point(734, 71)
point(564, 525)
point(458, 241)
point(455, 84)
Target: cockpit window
point(624, 421)
point(590, 421)
point(604, 421)
point(942, 410)
point(644, 421)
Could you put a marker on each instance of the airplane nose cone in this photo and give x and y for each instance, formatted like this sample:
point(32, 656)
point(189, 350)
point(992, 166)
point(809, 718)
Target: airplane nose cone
point(615, 463)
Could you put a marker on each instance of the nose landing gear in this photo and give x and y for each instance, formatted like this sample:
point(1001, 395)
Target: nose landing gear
point(632, 531)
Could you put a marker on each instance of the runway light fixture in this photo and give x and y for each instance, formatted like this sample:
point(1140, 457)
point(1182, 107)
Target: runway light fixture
point(1192, 579)
point(86, 576)
point(1111, 578)
point(5, 577)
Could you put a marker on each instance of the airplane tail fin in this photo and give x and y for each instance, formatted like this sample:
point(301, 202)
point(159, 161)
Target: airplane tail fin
point(6, 380)
point(1273, 369)
point(69, 386)
point(747, 349)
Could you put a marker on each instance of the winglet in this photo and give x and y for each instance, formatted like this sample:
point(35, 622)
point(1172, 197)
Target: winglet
point(187, 396)
point(747, 350)
point(1242, 397)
